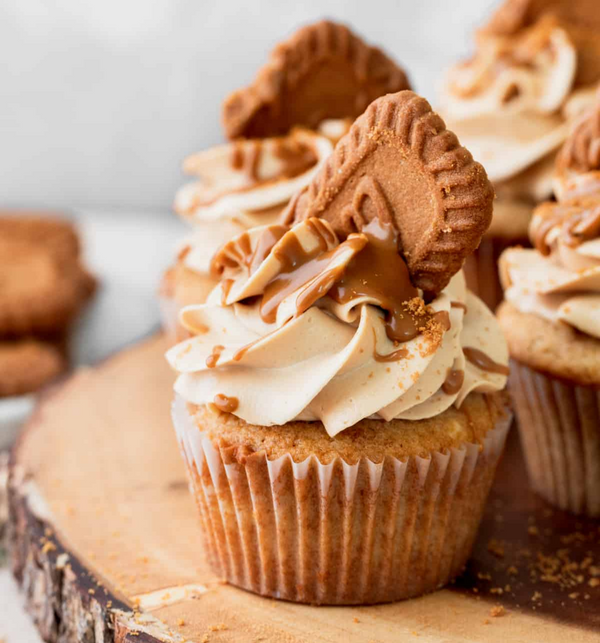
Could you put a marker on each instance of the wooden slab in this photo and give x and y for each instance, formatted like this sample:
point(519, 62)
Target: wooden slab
point(104, 540)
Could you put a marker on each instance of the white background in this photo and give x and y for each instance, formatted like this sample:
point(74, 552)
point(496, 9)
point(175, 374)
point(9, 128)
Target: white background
point(101, 99)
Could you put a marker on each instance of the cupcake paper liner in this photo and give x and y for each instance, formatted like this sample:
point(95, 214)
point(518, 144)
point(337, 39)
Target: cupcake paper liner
point(559, 426)
point(337, 533)
point(481, 269)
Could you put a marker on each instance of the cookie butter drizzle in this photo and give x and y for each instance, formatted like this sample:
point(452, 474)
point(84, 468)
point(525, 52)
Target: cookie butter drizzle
point(225, 403)
point(578, 222)
point(484, 362)
point(377, 271)
point(296, 157)
point(213, 359)
point(453, 382)
point(238, 252)
point(246, 156)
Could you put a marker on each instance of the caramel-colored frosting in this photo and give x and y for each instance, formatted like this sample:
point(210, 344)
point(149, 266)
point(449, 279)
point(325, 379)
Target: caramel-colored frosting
point(578, 163)
point(513, 102)
point(303, 326)
point(246, 184)
point(560, 279)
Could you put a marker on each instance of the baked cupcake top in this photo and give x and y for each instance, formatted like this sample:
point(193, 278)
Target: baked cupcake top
point(316, 320)
point(513, 102)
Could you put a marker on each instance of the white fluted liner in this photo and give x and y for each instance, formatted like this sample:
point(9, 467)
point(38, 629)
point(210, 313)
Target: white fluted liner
point(338, 533)
point(559, 426)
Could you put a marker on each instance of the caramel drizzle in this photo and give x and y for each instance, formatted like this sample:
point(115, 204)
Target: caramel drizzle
point(238, 252)
point(584, 227)
point(376, 271)
point(298, 267)
point(264, 245)
point(453, 382)
point(296, 157)
point(225, 403)
point(578, 224)
point(380, 273)
point(394, 356)
point(213, 358)
point(246, 156)
point(459, 304)
point(226, 285)
point(484, 362)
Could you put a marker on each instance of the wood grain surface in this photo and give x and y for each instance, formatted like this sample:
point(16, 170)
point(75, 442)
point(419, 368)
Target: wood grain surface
point(104, 540)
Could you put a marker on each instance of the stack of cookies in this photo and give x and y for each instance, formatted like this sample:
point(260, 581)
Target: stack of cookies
point(43, 286)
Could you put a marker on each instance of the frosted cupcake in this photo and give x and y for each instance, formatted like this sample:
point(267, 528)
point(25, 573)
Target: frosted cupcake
point(340, 431)
point(283, 126)
point(551, 319)
point(513, 104)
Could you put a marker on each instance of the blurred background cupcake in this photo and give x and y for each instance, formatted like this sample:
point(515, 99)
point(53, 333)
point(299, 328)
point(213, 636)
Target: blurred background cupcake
point(284, 125)
point(534, 71)
point(551, 319)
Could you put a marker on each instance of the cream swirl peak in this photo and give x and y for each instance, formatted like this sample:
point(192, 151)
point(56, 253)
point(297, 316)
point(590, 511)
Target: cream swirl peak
point(303, 326)
point(560, 279)
point(250, 175)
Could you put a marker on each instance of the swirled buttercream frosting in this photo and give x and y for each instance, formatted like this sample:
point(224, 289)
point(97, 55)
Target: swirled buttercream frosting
point(303, 326)
point(559, 280)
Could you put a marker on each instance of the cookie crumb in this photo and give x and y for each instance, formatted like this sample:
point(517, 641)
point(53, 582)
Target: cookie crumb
point(497, 610)
point(496, 547)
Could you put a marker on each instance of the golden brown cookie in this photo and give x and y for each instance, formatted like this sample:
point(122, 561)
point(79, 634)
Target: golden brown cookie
point(27, 365)
point(581, 19)
point(323, 71)
point(42, 282)
point(398, 162)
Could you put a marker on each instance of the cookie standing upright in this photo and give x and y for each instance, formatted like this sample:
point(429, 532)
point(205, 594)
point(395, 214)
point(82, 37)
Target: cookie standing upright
point(321, 393)
point(324, 71)
point(283, 127)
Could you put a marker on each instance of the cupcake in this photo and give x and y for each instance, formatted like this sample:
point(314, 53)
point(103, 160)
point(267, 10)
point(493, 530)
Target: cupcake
point(513, 104)
point(340, 402)
point(282, 127)
point(551, 320)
